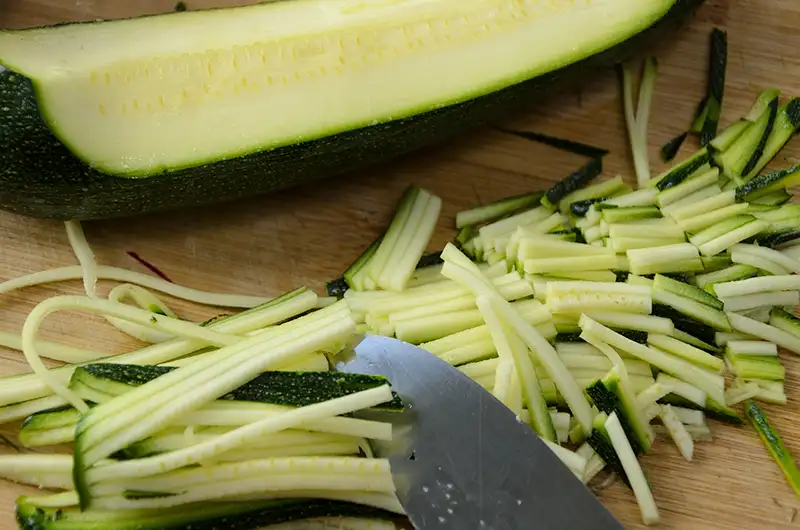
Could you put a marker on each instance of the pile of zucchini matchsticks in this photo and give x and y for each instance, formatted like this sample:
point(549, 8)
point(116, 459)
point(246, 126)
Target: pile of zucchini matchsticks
point(599, 313)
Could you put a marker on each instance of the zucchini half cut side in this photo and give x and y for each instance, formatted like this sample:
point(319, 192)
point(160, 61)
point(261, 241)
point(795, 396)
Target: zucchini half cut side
point(225, 103)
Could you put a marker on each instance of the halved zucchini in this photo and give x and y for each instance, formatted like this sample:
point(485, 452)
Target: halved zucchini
point(218, 104)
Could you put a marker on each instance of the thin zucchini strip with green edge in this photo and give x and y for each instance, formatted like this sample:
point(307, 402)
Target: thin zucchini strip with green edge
point(768, 332)
point(665, 284)
point(674, 365)
point(686, 351)
point(763, 184)
point(690, 186)
point(637, 119)
point(458, 268)
point(693, 309)
point(774, 444)
point(680, 172)
point(710, 280)
point(493, 211)
point(633, 471)
point(509, 346)
point(26, 387)
point(570, 146)
point(576, 180)
point(596, 192)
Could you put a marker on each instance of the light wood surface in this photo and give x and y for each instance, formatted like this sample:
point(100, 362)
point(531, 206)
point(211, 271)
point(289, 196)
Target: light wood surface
point(308, 235)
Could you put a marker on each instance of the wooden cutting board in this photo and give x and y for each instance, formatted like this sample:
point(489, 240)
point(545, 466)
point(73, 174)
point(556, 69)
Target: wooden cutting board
point(308, 235)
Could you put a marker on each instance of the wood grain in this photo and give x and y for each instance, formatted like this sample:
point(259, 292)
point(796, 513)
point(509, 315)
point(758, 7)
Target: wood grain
point(307, 235)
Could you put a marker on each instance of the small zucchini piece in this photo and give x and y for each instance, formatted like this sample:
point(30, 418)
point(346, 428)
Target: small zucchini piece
point(670, 149)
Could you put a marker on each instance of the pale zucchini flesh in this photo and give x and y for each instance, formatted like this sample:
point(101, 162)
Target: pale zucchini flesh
point(277, 73)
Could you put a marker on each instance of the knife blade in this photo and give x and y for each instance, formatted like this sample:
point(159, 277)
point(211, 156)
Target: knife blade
point(461, 459)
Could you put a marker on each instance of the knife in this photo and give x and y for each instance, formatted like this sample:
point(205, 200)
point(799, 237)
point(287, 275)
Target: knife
point(460, 458)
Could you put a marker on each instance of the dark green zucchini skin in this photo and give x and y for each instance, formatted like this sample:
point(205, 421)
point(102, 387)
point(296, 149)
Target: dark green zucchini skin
point(204, 517)
point(39, 176)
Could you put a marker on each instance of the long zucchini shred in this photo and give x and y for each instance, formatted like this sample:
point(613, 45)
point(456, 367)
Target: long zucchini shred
point(253, 514)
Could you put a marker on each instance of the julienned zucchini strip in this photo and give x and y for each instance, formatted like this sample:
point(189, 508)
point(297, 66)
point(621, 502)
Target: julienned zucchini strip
point(718, 59)
point(637, 118)
point(570, 146)
point(774, 444)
